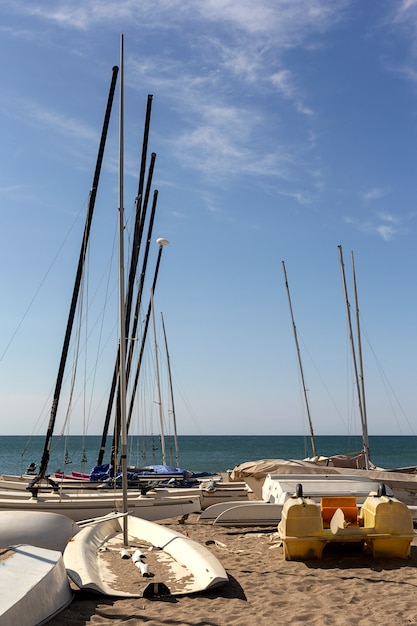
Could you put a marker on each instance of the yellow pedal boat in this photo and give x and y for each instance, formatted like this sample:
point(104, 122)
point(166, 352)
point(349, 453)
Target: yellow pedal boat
point(383, 524)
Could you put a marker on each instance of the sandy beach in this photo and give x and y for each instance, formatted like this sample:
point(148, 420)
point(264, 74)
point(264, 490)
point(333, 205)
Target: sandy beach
point(346, 587)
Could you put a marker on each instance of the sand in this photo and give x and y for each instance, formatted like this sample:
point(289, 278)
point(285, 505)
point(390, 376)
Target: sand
point(345, 587)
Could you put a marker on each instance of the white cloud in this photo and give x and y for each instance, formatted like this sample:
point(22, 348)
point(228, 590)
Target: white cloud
point(35, 114)
point(386, 232)
point(284, 82)
point(405, 9)
point(389, 217)
point(387, 229)
point(374, 194)
point(289, 21)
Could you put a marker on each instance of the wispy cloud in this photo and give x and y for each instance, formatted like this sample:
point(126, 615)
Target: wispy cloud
point(285, 85)
point(384, 224)
point(386, 232)
point(9, 189)
point(374, 194)
point(237, 48)
point(389, 217)
point(405, 10)
point(290, 22)
point(36, 114)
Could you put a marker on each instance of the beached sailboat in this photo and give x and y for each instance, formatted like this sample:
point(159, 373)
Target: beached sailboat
point(154, 560)
point(402, 483)
point(183, 566)
point(45, 492)
point(41, 492)
point(360, 459)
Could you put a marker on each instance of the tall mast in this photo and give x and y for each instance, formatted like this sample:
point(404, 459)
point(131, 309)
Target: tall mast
point(122, 340)
point(313, 443)
point(158, 381)
point(171, 390)
point(355, 365)
point(77, 284)
point(141, 209)
point(161, 243)
point(362, 380)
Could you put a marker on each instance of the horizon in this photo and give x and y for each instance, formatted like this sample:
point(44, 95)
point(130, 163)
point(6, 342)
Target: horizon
point(282, 131)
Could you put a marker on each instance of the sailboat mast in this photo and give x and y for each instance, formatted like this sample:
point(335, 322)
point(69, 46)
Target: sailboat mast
point(355, 365)
point(313, 443)
point(158, 380)
point(77, 283)
point(171, 390)
point(141, 209)
point(362, 380)
point(161, 243)
point(122, 340)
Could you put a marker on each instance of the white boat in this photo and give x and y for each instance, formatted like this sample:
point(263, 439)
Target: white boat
point(254, 473)
point(252, 513)
point(278, 488)
point(34, 585)
point(81, 507)
point(44, 530)
point(176, 564)
point(209, 491)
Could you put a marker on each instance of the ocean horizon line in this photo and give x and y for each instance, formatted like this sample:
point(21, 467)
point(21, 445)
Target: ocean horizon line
point(156, 435)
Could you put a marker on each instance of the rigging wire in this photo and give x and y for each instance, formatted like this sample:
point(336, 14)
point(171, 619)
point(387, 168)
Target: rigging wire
point(43, 280)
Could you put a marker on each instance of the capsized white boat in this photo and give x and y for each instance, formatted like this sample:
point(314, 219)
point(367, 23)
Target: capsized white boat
point(34, 585)
point(252, 513)
point(36, 528)
point(171, 563)
point(278, 488)
point(404, 486)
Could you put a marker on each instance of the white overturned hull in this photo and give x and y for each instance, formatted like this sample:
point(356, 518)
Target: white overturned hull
point(41, 529)
point(177, 565)
point(79, 508)
point(33, 586)
point(250, 514)
point(209, 492)
point(278, 488)
point(403, 485)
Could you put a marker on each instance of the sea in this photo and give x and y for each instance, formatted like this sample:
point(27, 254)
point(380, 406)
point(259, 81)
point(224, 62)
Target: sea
point(199, 454)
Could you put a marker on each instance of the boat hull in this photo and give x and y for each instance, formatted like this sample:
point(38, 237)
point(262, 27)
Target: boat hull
point(41, 529)
point(33, 586)
point(79, 508)
point(384, 525)
point(182, 566)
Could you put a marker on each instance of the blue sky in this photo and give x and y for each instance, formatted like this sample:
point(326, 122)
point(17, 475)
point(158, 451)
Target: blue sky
point(282, 129)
